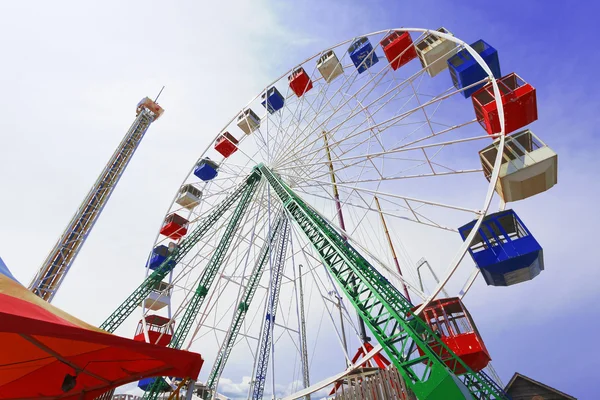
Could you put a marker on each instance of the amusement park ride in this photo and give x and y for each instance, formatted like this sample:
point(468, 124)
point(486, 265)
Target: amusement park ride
point(318, 149)
point(56, 266)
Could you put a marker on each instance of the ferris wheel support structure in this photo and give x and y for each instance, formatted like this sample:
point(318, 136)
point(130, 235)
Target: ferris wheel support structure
point(388, 314)
point(266, 339)
point(60, 259)
point(242, 309)
point(207, 279)
point(138, 295)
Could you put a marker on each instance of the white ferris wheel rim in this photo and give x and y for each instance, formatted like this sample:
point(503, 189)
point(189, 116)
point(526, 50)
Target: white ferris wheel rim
point(463, 249)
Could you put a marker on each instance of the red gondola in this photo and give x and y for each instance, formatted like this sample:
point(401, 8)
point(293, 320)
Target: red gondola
point(175, 226)
point(300, 82)
point(398, 48)
point(157, 326)
point(518, 99)
point(452, 322)
point(226, 144)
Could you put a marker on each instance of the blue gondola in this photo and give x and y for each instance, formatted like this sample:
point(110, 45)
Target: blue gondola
point(465, 71)
point(360, 50)
point(504, 249)
point(206, 169)
point(147, 383)
point(272, 100)
point(159, 255)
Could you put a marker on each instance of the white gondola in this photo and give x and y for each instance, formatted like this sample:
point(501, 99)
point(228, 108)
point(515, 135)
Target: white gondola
point(189, 196)
point(248, 121)
point(159, 297)
point(434, 51)
point(529, 166)
point(329, 66)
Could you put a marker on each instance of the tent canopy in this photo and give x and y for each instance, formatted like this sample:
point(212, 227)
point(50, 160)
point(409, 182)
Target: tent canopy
point(41, 345)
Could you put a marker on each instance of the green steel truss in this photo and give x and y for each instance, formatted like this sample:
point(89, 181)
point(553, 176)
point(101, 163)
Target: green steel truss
point(386, 312)
point(243, 307)
point(134, 300)
point(207, 278)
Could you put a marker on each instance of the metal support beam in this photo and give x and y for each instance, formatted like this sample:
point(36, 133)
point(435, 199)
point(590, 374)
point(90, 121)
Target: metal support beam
point(387, 313)
point(389, 239)
point(138, 295)
point(206, 280)
point(242, 309)
point(266, 341)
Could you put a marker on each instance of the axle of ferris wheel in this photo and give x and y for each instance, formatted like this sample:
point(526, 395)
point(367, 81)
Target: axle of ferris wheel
point(56, 266)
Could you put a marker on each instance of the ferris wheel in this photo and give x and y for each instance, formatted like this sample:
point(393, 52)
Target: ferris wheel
point(288, 249)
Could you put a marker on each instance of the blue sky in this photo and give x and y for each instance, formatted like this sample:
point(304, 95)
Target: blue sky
point(74, 74)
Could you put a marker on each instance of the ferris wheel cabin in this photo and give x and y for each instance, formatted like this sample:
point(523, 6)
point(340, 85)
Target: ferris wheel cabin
point(226, 144)
point(147, 104)
point(518, 99)
point(174, 227)
point(159, 255)
point(189, 196)
point(206, 169)
point(272, 100)
point(466, 71)
point(504, 249)
point(434, 51)
point(329, 66)
point(248, 121)
point(362, 54)
point(160, 330)
point(159, 297)
point(529, 166)
point(147, 383)
point(451, 321)
point(300, 82)
point(398, 48)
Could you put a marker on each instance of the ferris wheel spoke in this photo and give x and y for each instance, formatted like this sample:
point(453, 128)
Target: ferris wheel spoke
point(342, 102)
point(406, 198)
point(384, 154)
point(385, 125)
point(396, 89)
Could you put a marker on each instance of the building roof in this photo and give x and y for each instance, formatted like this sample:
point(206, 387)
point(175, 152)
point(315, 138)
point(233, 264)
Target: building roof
point(518, 375)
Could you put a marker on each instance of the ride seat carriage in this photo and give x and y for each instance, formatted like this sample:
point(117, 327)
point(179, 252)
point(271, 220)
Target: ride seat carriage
point(433, 51)
point(518, 100)
point(189, 196)
point(398, 48)
point(528, 166)
point(300, 82)
point(174, 227)
point(451, 321)
point(147, 383)
point(226, 144)
point(466, 71)
point(159, 297)
point(160, 330)
point(504, 249)
point(329, 66)
point(147, 104)
point(272, 100)
point(248, 121)
point(206, 169)
point(159, 255)
point(362, 54)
